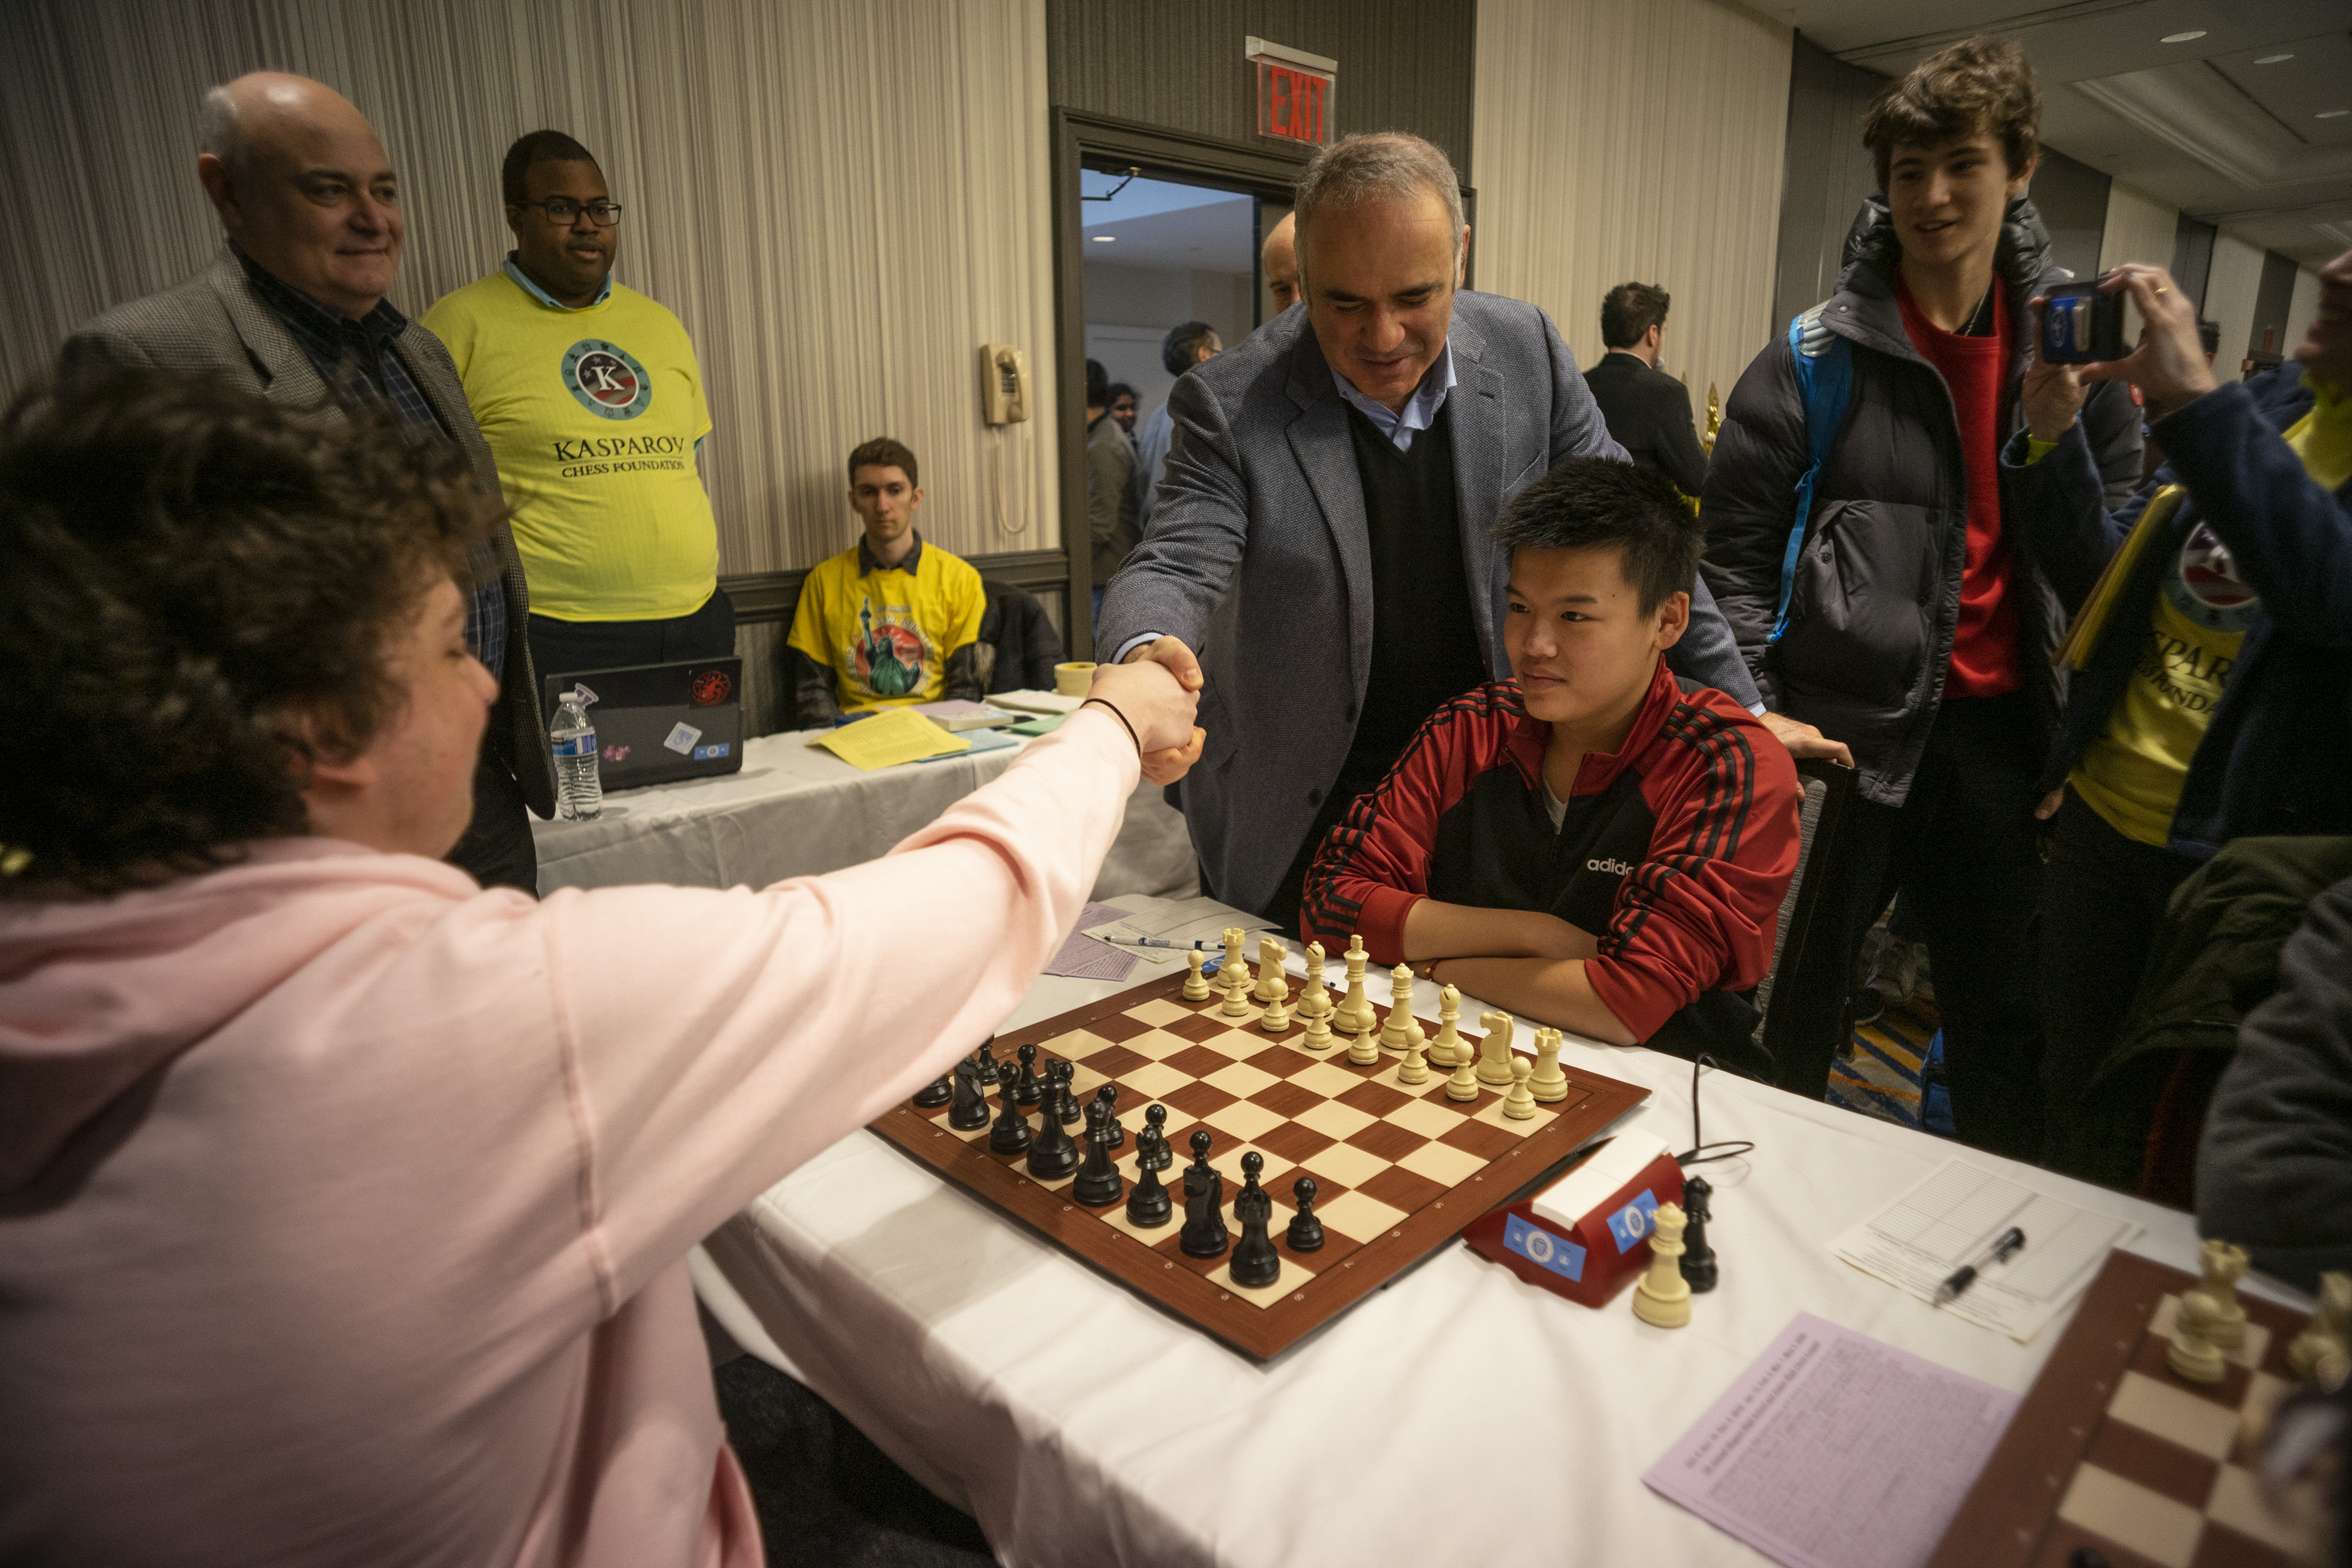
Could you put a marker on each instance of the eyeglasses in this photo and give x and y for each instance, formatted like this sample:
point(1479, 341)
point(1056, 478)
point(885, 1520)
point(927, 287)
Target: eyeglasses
point(565, 211)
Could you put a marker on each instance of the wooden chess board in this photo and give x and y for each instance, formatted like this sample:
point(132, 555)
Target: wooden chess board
point(1399, 1168)
point(2114, 1451)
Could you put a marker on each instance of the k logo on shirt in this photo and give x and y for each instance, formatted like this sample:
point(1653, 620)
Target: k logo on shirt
point(606, 379)
point(2208, 588)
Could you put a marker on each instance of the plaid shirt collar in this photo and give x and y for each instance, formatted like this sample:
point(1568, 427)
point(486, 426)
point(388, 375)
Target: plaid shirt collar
point(323, 332)
point(869, 563)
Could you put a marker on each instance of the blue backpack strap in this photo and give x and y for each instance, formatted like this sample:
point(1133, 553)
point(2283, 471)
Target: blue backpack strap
point(1824, 363)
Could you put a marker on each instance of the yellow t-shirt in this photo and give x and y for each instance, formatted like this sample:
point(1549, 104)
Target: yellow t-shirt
point(2132, 773)
point(593, 416)
point(887, 633)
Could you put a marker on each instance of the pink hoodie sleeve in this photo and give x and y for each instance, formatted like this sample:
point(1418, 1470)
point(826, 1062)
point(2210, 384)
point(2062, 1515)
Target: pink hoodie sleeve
point(713, 1041)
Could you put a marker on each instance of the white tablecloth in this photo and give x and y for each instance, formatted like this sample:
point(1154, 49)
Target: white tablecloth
point(795, 810)
point(1458, 1417)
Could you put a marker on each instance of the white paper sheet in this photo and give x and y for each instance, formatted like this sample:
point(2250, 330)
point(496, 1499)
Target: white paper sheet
point(1834, 1450)
point(1186, 921)
point(1952, 1219)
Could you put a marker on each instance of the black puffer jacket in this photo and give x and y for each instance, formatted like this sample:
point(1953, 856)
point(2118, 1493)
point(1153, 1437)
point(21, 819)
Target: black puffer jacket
point(1877, 591)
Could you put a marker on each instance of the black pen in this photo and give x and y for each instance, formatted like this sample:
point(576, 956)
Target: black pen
point(2002, 1251)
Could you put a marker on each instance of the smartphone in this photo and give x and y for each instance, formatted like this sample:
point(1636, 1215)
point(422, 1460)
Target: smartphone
point(2082, 326)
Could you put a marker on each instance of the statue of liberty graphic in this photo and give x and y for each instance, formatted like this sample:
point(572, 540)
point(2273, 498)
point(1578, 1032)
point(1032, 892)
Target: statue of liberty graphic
point(889, 656)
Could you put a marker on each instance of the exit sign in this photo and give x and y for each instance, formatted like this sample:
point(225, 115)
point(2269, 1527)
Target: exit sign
point(1294, 92)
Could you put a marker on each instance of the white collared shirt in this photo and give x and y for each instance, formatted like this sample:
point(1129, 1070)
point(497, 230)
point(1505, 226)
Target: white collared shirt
point(1420, 410)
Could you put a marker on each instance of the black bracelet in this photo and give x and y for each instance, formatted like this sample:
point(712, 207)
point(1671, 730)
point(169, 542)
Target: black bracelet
point(1122, 722)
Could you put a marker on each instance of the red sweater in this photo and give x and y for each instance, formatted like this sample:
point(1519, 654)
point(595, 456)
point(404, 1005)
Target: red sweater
point(1984, 645)
point(1675, 851)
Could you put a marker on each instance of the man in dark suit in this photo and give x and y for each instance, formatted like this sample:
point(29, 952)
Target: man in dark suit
point(1648, 411)
point(294, 309)
point(1321, 531)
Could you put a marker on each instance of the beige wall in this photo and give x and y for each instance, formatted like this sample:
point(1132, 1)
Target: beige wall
point(1634, 140)
point(2231, 293)
point(2139, 228)
point(2302, 308)
point(841, 201)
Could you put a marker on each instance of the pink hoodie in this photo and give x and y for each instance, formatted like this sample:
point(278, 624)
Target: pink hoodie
point(344, 1207)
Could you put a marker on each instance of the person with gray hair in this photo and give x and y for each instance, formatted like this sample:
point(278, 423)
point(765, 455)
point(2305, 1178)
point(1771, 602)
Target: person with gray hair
point(294, 308)
point(1320, 534)
point(1194, 342)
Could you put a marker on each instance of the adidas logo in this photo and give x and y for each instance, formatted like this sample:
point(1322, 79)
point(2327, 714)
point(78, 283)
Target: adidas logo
point(1614, 867)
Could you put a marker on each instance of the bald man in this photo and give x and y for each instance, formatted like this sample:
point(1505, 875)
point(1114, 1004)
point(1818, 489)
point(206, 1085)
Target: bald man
point(294, 309)
point(1278, 260)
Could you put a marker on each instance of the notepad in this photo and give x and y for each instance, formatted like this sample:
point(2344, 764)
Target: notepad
point(893, 736)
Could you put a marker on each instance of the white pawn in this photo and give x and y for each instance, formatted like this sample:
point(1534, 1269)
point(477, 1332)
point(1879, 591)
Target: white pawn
point(1494, 1051)
point(1235, 963)
point(1463, 1084)
point(1271, 985)
point(1196, 985)
point(2224, 1266)
point(1277, 1012)
point(1518, 1105)
point(1548, 1083)
point(2331, 1326)
point(2194, 1355)
point(1236, 1004)
point(1367, 1049)
point(1662, 1297)
point(1413, 1068)
point(1318, 1028)
point(1398, 1030)
point(1448, 1044)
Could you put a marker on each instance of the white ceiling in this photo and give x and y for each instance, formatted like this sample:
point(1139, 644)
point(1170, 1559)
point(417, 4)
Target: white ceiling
point(1157, 222)
point(2198, 123)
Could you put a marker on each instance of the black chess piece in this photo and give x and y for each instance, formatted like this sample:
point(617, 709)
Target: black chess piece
point(1698, 1257)
point(1011, 1135)
point(1108, 1095)
point(968, 1114)
point(986, 1058)
point(1066, 1109)
point(1255, 1262)
point(2086, 1557)
point(1204, 1201)
point(1306, 1233)
point(932, 1096)
point(1055, 1154)
point(1100, 1184)
point(1148, 1203)
point(1155, 1131)
point(1029, 1090)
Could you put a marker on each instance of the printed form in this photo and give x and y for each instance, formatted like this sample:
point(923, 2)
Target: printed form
point(1952, 1219)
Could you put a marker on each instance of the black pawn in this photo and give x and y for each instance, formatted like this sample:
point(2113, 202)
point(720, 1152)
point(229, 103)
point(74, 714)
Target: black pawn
point(1698, 1257)
point(932, 1096)
point(1100, 1184)
point(1028, 1087)
point(1255, 1262)
point(1066, 1109)
point(1147, 1204)
point(986, 1058)
point(1155, 1132)
point(1108, 1095)
point(1204, 1201)
point(1011, 1135)
point(969, 1111)
point(1055, 1153)
point(1306, 1233)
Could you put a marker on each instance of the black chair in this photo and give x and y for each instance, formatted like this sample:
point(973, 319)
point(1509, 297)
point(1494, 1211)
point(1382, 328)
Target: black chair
point(1027, 646)
point(1829, 790)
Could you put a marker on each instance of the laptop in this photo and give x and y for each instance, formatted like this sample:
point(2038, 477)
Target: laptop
point(657, 723)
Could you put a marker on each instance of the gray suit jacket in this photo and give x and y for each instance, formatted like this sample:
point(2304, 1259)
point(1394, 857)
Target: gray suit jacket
point(1257, 554)
point(214, 323)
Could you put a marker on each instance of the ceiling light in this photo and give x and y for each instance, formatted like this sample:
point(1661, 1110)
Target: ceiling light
point(2272, 59)
point(2332, 113)
point(2190, 37)
point(1102, 239)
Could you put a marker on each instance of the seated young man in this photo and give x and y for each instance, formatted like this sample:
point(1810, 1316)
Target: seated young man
point(890, 620)
point(344, 1205)
point(1586, 843)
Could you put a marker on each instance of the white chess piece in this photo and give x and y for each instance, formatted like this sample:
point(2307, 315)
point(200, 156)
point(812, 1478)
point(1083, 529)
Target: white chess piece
point(1237, 999)
point(2194, 1355)
point(1196, 985)
point(1277, 1012)
point(1463, 1084)
point(1271, 985)
point(1235, 963)
point(1662, 1297)
point(2224, 1266)
point(1318, 1028)
point(1519, 1104)
point(1414, 1068)
point(1494, 1051)
point(1548, 1083)
point(1355, 1014)
point(1367, 1049)
point(1399, 1027)
point(1441, 1050)
point(2331, 1326)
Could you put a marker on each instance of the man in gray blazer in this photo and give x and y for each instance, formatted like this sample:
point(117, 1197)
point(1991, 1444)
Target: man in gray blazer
point(294, 309)
point(1320, 535)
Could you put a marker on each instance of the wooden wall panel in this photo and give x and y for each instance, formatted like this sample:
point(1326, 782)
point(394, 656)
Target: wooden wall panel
point(1634, 140)
point(841, 201)
point(1404, 65)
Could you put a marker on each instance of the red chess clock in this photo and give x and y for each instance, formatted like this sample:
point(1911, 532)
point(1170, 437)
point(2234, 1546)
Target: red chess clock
point(1587, 1234)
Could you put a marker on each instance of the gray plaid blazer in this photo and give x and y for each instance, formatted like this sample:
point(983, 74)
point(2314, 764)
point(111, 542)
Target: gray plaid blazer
point(214, 323)
point(1257, 554)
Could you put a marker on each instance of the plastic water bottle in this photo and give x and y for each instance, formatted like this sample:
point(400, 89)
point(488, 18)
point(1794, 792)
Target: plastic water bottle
point(579, 792)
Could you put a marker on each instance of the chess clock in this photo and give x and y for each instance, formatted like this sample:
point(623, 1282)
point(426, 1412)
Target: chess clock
point(1588, 1235)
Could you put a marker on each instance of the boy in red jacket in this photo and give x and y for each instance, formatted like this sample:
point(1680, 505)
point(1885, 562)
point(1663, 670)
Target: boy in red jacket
point(1587, 844)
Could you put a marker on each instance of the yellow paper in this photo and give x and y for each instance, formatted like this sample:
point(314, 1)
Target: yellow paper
point(896, 735)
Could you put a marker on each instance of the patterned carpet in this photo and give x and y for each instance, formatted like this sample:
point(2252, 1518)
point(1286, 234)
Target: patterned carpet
point(1880, 1076)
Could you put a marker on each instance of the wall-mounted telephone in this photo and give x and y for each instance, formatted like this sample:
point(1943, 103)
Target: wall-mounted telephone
point(1003, 384)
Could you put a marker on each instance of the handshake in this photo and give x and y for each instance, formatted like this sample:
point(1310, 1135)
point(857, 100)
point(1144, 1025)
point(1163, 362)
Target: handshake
point(1158, 692)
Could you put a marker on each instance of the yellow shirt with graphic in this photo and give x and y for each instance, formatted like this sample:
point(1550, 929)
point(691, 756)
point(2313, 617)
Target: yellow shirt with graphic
point(887, 633)
point(2132, 774)
point(593, 416)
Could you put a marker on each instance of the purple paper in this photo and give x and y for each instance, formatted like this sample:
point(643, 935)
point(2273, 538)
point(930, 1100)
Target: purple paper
point(1084, 958)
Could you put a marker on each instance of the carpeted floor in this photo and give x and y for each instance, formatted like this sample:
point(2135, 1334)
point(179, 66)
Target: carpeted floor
point(1881, 1075)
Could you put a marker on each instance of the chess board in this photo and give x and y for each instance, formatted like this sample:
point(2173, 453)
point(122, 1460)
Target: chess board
point(1399, 1168)
point(2113, 1451)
